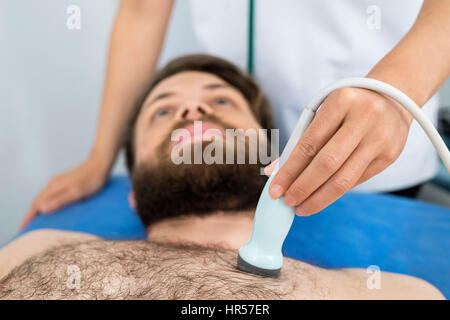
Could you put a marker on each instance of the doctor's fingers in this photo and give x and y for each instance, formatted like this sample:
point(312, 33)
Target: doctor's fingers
point(60, 198)
point(35, 205)
point(347, 177)
point(32, 212)
point(377, 165)
point(322, 128)
point(327, 162)
point(48, 200)
point(270, 167)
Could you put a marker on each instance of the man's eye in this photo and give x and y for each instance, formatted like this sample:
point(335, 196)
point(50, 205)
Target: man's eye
point(161, 113)
point(223, 101)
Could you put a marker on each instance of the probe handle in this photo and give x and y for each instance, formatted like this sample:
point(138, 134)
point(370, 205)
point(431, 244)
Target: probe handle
point(273, 218)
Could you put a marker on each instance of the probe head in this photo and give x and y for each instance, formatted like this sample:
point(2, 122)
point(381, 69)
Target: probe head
point(247, 267)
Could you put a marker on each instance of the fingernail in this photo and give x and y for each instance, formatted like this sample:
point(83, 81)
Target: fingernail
point(300, 211)
point(289, 200)
point(269, 168)
point(276, 191)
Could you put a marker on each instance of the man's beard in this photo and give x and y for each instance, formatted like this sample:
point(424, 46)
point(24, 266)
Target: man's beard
point(167, 190)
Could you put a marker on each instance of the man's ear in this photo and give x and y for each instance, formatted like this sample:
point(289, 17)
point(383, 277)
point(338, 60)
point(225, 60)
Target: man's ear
point(132, 200)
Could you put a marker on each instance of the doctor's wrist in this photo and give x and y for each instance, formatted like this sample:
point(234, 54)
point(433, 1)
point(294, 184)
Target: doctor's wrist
point(102, 161)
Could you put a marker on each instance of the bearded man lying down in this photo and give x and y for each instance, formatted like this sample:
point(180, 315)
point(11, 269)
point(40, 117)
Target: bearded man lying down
point(197, 214)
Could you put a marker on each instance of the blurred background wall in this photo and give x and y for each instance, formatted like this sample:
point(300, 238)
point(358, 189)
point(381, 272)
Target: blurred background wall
point(51, 81)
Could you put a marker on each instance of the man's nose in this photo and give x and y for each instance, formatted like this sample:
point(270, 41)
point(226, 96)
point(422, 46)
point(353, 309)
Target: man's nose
point(193, 111)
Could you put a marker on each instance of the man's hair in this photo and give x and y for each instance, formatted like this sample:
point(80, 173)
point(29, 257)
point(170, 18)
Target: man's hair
point(221, 68)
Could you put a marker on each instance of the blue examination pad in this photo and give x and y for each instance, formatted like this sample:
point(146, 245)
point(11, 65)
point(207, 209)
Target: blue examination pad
point(107, 215)
point(359, 230)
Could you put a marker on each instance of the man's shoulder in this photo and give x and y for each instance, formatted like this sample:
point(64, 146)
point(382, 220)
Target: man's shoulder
point(35, 242)
point(411, 288)
point(391, 285)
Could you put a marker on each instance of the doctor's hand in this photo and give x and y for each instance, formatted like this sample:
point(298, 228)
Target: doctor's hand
point(67, 188)
point(355, 135)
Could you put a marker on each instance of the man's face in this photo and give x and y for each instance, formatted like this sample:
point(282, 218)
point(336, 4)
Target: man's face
point(163, 189)
point(182, 99)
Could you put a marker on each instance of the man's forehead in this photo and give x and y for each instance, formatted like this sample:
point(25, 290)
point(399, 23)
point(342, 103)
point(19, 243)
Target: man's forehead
point(186, 80)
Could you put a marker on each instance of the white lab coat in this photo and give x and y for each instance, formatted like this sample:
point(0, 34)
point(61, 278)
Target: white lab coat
point(301, 46)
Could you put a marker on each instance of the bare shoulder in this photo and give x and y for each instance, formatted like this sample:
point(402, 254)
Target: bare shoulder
point(36, 242)
point(409, 287)
point(388, 285)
